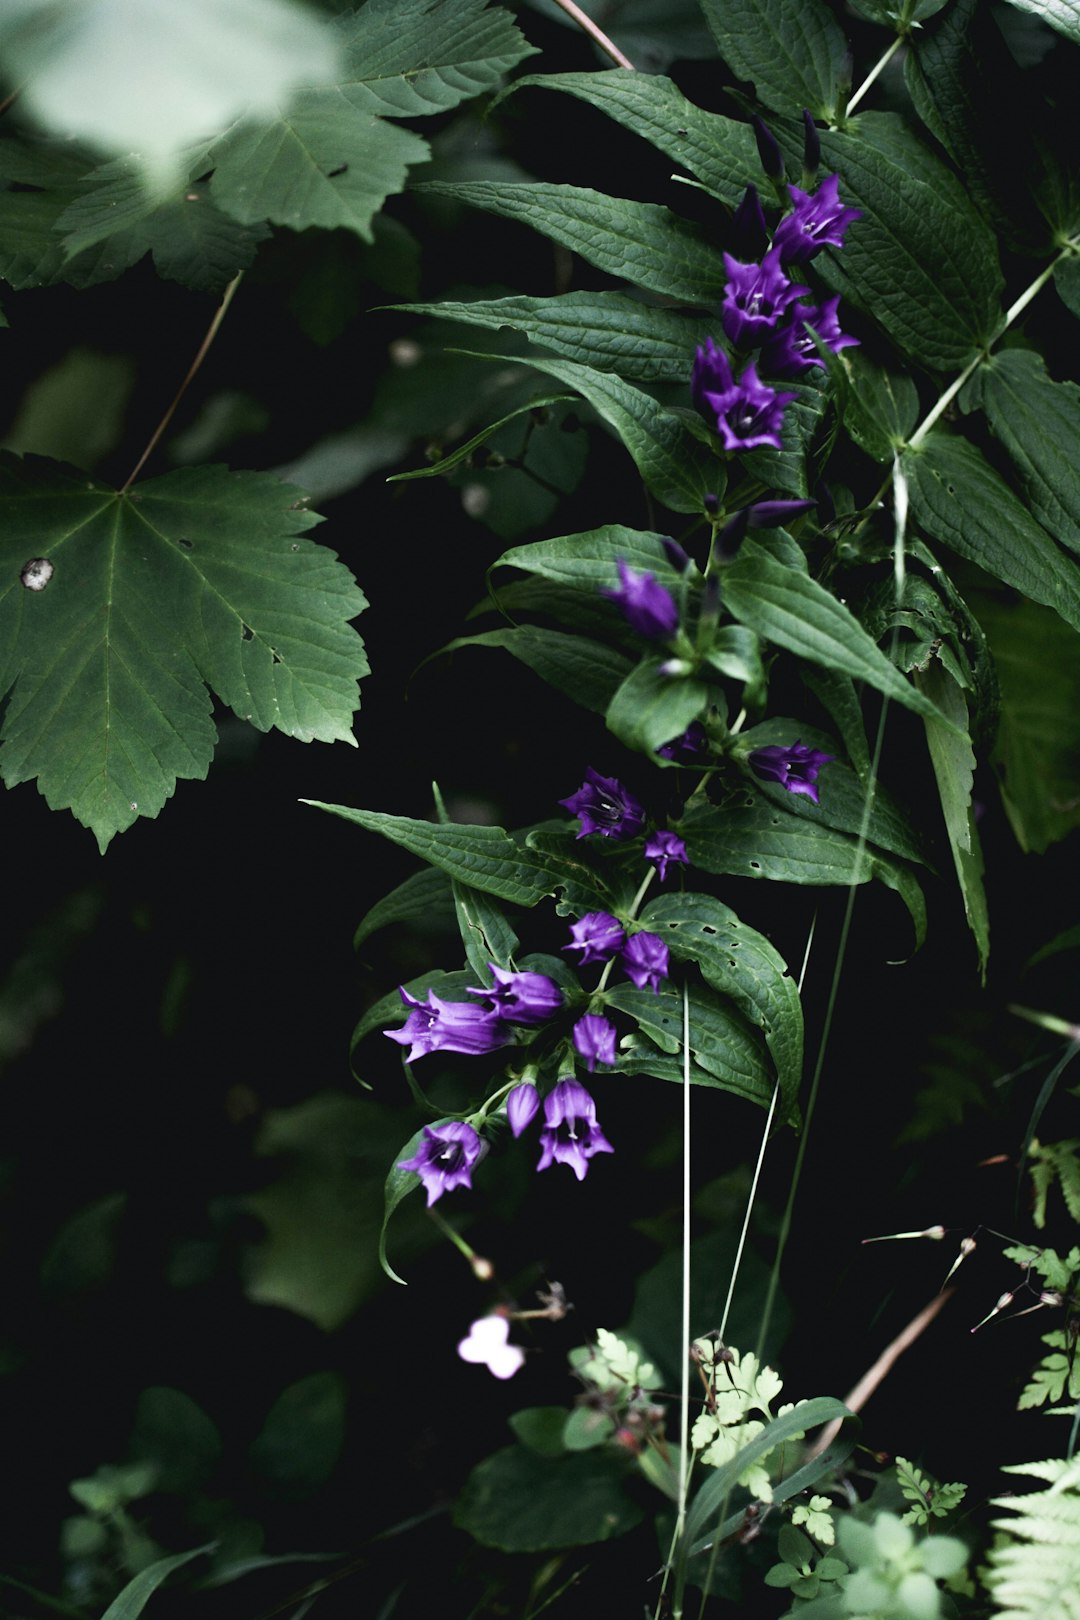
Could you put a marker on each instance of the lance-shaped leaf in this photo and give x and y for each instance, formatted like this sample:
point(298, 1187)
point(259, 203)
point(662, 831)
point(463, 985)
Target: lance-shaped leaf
point(954, 767)
point(882, 407)
point(639, 242)
point(756, 839)
point(118, 610)
point(922, 261)
point(1038, 422)
point(793, 51)
point(583, 669)
point(740, 963)
point(794, 611)
point(726, 1052)
point(422, 895)
point(607, 330)
point(718, 151)
point(651, 708)
point(587, 561)
point(958, 498)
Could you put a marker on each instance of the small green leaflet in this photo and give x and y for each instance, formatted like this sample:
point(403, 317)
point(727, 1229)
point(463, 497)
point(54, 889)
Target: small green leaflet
point(953, 760)
point(118, 610)
point(792, 50)
point(1038, 422)
point(882, 407)
point(582, 669)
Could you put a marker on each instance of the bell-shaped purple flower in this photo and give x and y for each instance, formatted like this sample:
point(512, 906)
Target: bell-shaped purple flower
point(795, 768)
point(746, 414)
point(594, 1040)
point(446, 1158)
point(687, 748)
point(604, 806)
point(791, 348)
point(598, 936)
point(645, 958)
point(755, 299)
point(571, 1135)
point(521, 998)
point(818, 220)
point(521, 1106)
point(447, 1026)
point(648, 607)
point(665, 849)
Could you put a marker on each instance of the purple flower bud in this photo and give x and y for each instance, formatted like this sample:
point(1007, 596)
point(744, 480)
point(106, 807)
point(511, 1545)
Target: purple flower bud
point(817, 220)
point(604, 806)
point(571, 1135)
point(445, 1158)
point(594, 1040)
point(746, 414)
point(755, 299)
point(792, 349)
point(597, 935)
point(730, 538)
point(665, 849)
point(749, 232)
point(795, 768)
point(649, 608)
point(645, 958)
point(447, 1026)
point(772, 159)
point(774, 514)
point(521, 998)
point(521, 1106)
point(687, 748)
point(677, 556)
point(811, 145)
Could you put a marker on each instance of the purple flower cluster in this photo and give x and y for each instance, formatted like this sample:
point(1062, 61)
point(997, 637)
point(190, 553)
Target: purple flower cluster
point(603, 805)
point(435, 1025)
point(762, 310)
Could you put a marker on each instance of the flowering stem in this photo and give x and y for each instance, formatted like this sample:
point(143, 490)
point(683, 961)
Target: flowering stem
point(595, 33)
point(482, 1268)
point(874, 71)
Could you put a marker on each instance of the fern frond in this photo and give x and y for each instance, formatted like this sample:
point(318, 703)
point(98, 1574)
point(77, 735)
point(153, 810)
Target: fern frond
point(1050, 1162)
point(1035, 1570)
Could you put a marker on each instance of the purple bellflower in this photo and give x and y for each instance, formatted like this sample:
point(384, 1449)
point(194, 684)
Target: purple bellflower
point(687, 748)
point(447, 1026)
point(746, 414)
point(594, 1040)
point(795, 768)
point(645, 958)
point(445, 1158)
point(755, 299)
point(521, 1106)
point(604, 806)
point(791, 349)
point(648, 607)
point(818, 220)
point(598, 936)
point(665, 849)
point(571, 1135)
point(521, 998)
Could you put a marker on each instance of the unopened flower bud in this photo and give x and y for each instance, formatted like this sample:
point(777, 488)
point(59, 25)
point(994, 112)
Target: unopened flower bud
point(811, 148)
point(676, 555)
point(772, 159)
point(749, 232)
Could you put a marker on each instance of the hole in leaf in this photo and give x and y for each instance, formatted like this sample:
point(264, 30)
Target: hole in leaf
point(187, 544)
point(277, 658)
point(755, 866)
point(246, 632)
point(707, 928)
point(332, 174)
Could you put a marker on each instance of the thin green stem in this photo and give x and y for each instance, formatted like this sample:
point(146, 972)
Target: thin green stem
point(878, 67)
point(632, 911)
point(203, 351)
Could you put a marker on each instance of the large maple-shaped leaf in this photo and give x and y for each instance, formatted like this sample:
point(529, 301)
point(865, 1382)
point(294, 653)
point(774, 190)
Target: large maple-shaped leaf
point(119, 610)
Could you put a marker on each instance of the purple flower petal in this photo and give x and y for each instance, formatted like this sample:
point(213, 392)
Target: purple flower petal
point(521, 1106)
point(649, 608)
point(816, 221)
point(597, 935)
point(445, 1158)
point(521, 998)
point(594, 1040)
point(792, 348)
point(745, 413)
point(664, 849)
point(571, 1135)
point(604, 806)
point(645, 958)
point(795, 767)
point(447, 1026)
point(755, 299)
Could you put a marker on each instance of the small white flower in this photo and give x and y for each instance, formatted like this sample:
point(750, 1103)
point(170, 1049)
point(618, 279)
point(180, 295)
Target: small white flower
point(486, 1345)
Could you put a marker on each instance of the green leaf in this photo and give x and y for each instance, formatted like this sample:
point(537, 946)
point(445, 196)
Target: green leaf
point(725, 1051)
point(129, 1604)
point(1037, 754)
point(650, 708)
point(414, 58)
point(953, 760)
point(740, 963)
point(786, 469)
point(792, 50)
point(922, 261)
point(609, 331)
point(424, 894)
point(298, 1446)
point(323, 163)
point(196, 579)
point(958, 499)
point(540, 1428)
point(1064, 15)
point(1067, 282)
point(642, 243)
point(1038, 422)
point(718, 151)
point(485, 932)
point(794, 611)
point(753, 838)
point(882, 407)
point(587, 561)
point(485, 858)
point(522, 1502)
point(577, 666)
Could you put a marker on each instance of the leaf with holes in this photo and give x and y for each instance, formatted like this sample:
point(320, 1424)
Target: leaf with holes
point(119, 609)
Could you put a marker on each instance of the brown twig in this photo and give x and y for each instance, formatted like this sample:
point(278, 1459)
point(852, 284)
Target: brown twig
point(884, 1364)
point(203, 351)
point(8, 101)
point(595, 33)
